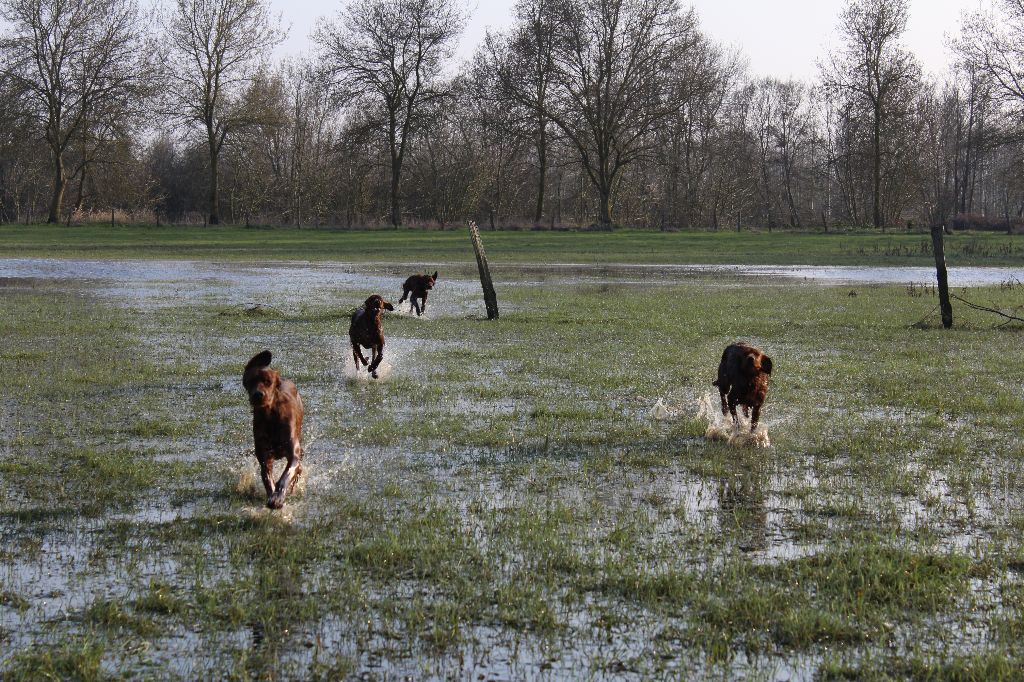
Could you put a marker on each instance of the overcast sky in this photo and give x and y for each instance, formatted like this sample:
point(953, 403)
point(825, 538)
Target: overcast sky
point(780, 38)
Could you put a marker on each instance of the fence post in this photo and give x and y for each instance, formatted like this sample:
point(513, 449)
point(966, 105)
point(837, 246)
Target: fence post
point(940, 272)
point(490, 299)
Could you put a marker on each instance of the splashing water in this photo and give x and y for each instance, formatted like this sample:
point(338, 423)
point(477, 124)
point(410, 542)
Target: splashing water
point(735, 433)
point(354, 375)
point(660, 411)
point(249, 484)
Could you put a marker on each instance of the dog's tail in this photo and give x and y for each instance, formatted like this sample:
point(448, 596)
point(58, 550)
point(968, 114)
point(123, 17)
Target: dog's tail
point(260, 360)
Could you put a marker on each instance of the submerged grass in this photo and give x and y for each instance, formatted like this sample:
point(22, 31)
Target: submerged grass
point(504, 503)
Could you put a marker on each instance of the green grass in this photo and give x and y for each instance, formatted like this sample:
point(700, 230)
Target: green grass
point(855, 247)
point(506, 490)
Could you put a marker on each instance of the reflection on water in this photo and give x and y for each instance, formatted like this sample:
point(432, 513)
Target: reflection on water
point(741, 500)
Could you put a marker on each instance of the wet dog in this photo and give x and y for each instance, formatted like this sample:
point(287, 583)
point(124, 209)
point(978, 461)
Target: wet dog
point(743, 377)
point(416, 287)
point(367, 331)
point(276, 425)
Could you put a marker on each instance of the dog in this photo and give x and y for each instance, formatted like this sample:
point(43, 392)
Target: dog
point(743, 376)
point(276, 425)
point(367, 331)
point(416, 287)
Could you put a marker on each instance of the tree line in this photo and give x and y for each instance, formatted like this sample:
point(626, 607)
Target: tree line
point(581, 113)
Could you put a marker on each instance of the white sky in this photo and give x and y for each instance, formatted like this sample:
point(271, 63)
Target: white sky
point(780, 38)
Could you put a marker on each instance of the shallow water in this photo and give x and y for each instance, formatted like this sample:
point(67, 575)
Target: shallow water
point(255, 288)
point(302, 282)
point(750, 508)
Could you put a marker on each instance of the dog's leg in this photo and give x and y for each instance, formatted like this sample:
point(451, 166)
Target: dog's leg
point(287, 480)
point(266, 469)
point(405, 292)
point(733, 401)
point(723, 390)
point(378, 355)
point(423, 303)
point(357, 355)
point(416, 306)
point(755, 417)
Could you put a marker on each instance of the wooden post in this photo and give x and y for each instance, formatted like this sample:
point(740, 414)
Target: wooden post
point(940, 272)
point(490, 299)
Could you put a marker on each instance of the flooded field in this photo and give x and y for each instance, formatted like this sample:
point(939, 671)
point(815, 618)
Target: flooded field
point(531, 498)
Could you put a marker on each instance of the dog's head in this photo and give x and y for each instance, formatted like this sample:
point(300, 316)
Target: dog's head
point(376, 303)
point(757, 362)
point(261, 382)
point(428, 280)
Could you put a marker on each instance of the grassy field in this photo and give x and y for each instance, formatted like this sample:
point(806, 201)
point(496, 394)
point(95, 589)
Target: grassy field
point(504, 503)
point(866, 247)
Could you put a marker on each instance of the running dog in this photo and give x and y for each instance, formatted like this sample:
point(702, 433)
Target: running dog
point(276, 425)
point(416, 287)
point(367, 331)
point(743, 377)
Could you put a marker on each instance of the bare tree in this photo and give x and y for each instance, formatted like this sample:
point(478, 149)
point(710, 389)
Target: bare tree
point(390, 53)
point(781, 127)
point(993, 45)
point(215, 53)
point(521, 66)
point(614, 62)
point(874, 71)
point(82, 66)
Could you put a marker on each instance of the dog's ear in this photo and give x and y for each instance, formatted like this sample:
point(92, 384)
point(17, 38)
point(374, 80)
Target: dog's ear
point(435, 275)
point(388, 306)
point(766, 364)
point(259, 360)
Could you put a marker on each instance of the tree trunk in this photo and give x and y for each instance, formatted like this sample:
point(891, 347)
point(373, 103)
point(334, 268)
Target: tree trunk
point(877, 172)
point(605, 215)
point(60, 182)
point(214, 185)
point(938, 249)
point(396, 208)
point(542, 155)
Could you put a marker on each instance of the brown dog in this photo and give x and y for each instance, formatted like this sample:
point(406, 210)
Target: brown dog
point(418, 286)
point(276, 425)
point(367, 331)
point(743, 375)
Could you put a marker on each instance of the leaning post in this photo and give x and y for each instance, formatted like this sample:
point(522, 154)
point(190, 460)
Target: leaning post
point(490, 299)
point(938, 249)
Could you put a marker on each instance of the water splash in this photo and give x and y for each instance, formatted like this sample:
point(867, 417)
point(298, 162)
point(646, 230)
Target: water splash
point(721, 428)
point(250, 486)
point(358, 375)
point(660, 411)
